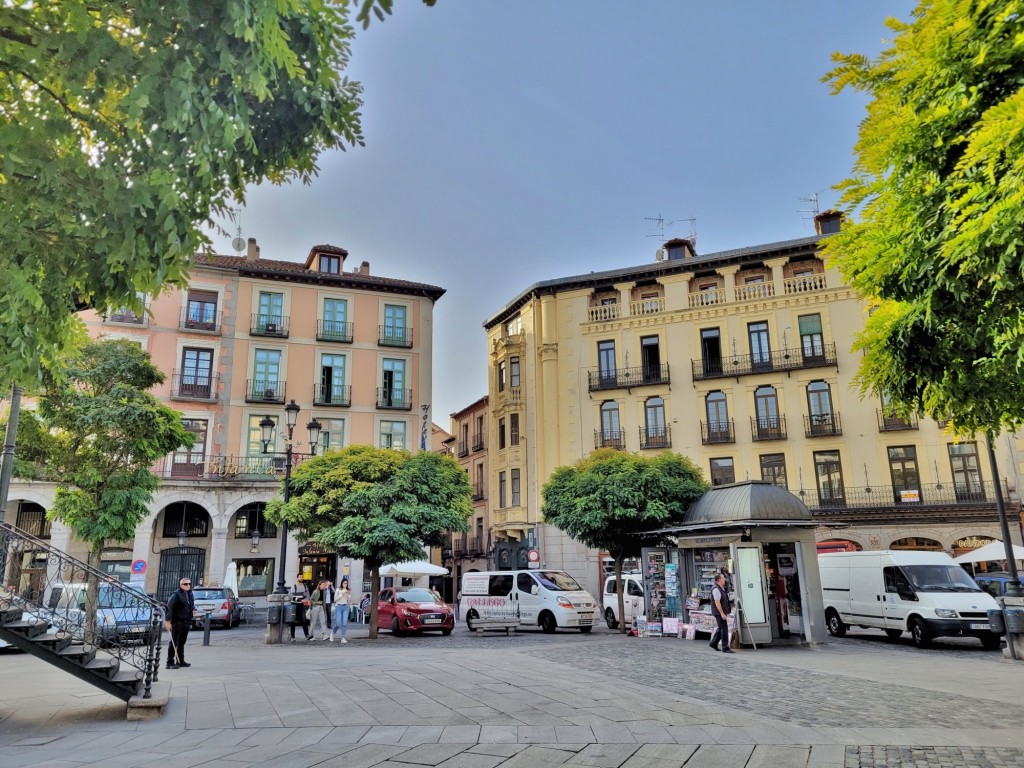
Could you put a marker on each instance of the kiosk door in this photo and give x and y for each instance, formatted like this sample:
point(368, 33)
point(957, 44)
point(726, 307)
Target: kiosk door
point(748, 578)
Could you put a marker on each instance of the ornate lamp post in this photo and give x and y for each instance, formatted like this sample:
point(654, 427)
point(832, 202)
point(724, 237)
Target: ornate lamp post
point(267, 426)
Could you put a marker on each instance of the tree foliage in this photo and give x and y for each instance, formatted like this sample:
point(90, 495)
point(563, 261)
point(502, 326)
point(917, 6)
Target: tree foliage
point(610, 499)
point(377, 505)
point(938, 188)
point(125, 125)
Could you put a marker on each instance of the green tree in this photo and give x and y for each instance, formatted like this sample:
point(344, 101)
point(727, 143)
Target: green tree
point(377, 505)
point(103, 433)
point(610, 499)
point(127, 125)
point(938, 189)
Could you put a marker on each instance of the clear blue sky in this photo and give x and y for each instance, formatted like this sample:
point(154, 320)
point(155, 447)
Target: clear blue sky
point(508, 143)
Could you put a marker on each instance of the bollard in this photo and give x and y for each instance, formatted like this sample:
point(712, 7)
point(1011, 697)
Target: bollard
point(206, 629)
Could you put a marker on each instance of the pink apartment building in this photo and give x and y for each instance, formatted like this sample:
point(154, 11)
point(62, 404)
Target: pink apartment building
point(249, 335)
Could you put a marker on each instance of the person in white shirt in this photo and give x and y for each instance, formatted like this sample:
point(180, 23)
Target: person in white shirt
point(342, 596)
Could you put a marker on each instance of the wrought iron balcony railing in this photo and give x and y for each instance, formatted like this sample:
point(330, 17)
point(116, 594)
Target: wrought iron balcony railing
point(775, 360)
point(768, 428)
point(339, 395)
point(891, 422)
point(264, 391)
point(823, 425)
point(206, 322)
point(269, 325)
point(223, 468)
point(714, 432)
point(126, 316)
point(478, 492)
point(334, 330)
point(626, 378)
point(400, 399)
point(609, 438)
point(194, 385)
point(463, 449)
point(656, 437)
point(394, 336)
point(478, 442)
point(891, 497)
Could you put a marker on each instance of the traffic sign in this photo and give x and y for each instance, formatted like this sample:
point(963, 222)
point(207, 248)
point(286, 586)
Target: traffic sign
point(533, 559)
point(138, 566)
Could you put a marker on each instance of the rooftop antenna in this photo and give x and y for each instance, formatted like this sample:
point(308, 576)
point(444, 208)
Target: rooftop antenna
point(239, 242)
point(662, 223)
point(809, 214)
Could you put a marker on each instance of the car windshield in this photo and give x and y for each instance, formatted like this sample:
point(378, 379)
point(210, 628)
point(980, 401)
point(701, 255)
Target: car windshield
point(419, 595)
point(208, 594)
point(120, 598)
point(557, 581)
point(939, 578)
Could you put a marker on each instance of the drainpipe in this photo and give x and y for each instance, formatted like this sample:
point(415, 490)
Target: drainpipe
point(7, 468)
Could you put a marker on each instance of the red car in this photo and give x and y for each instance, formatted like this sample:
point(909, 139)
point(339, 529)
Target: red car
point(414, 609)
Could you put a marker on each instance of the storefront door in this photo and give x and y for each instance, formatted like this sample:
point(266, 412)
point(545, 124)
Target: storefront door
point(752, 609)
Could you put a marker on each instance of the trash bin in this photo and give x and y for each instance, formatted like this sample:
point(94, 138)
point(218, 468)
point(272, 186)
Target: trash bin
point(274, 614)
point(290, 614)
point(995, 621)
point(1014, 620)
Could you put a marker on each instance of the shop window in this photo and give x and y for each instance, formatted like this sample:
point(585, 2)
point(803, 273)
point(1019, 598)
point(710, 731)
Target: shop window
point(255, 577)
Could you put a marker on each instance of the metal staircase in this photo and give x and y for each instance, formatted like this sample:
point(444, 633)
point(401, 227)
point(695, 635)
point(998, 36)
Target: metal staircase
point(76, 618)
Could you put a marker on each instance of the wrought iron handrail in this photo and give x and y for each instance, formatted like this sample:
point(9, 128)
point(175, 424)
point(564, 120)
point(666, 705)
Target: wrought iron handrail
point(714, 432)
point(223, 468)
point(888, 496)
point(615, 378)
point(816, 356)
point(610, 438)
point(82, 603)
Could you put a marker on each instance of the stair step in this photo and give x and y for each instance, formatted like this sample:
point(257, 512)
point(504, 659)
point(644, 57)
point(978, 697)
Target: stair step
point(83, 654)
point(29, 629)
point(54, 642)
point(105, 666)
point(9, 615)
point(128, 677)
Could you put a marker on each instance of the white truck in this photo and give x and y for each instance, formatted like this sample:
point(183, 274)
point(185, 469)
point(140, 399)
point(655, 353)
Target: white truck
point(548, 599)
point(924, 593)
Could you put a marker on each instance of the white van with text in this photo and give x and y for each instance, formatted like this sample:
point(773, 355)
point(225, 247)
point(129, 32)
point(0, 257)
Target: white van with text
point(548, 599)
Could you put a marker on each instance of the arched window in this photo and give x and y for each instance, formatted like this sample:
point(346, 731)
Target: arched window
point(820, 416)
point(718, 412)
point(654, 411)
point(250, 518)
point(766, 405)
point(610, 434)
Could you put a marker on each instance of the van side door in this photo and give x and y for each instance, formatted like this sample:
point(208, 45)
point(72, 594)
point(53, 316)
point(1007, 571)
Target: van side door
point(500, 603)
point(633, 600)
point(529, 603)
point(899, 597)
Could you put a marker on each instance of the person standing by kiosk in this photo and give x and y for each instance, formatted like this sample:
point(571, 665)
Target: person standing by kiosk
point(720, 608)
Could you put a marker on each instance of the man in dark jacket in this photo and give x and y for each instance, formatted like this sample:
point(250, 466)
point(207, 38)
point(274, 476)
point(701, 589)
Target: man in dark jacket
point(178, 620)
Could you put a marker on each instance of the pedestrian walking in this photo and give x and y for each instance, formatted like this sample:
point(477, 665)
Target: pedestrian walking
point(318, 611)
point(329, 601)
point(300, 596)
point(342, 596)
point(178, 620)
point(458, 602)
point(720, 608)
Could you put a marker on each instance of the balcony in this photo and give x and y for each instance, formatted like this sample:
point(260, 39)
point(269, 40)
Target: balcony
point(804, 284)
point(823, 425)
point(717, 432)
point(338, 395)
point(707, 299)
point(334, 330)
point(932, 502)
point(478, 441)
point(126, 316)
point(397, 399)
point(627, 378)
point(609, 438)
point(264, 391)
point(194, 385)
point(200, 322)
point(655, 437)
point(891, 422)
point(223, 468)
point(754, 291)
point(776, 360)
point(394, 336)
point(478, 492)
point(643, 307)
point(274, 326)
point(768, 428)
point(509, 341)
point(463, 449)
point(603, 313)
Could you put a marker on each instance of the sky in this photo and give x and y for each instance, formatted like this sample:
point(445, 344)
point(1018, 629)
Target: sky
point(512, 142)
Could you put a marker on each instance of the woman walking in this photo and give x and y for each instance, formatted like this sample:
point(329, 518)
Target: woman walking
point(318, 611)
point(342, 595)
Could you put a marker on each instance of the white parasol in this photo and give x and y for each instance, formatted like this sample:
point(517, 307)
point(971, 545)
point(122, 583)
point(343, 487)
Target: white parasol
point(994, 550)
point(413, 569)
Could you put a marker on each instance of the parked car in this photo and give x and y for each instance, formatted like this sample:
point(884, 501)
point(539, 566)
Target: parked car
point(632, 598)
point(414, 609)
point(221, 602)
point(123, 613)
point(993, 583)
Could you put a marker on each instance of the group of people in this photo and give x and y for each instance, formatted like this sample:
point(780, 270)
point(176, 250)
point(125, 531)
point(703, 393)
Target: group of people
point(323, 611)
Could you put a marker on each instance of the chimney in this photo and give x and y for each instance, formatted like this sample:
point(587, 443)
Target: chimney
point(364, 268)
point(828, 222)
point(253, 251)
point(679, 248)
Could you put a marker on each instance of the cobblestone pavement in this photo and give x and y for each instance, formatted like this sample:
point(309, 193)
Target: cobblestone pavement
point(933, 757)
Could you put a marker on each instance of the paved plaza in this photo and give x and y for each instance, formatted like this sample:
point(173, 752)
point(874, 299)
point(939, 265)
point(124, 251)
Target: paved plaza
point(532, 701)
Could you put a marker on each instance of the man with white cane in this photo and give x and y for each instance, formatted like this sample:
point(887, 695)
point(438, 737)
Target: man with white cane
point(178, 620)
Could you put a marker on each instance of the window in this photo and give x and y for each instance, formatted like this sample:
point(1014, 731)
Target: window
point(254, 443)
point(718, 415)
point(773, 469)
point(500, 585)
point(610, 431)
point(188, 517)
point(514, 326)
point(196, 373)
point(811, 342)
point(394, 393)
point(32, 520)
point(766, 405)
point(201, 310)
point(501, 491)
point(126, 315)
point(332, 434)
point(650, 359)
point(606, 363)
point(711, 351)
point(330, 265)
point(906, 481)
point(392, 434)
point(271, 311)
point(250, 518)
point(188, 461)
point(332, 380)
point(265, 374)
point(513, 365)
point(502, 377)
point(828, 473)
point(513, 429)
point(760, 345)
point(395, 330)
point(722, 472)
point(516, 500)
point(255, 577)
point(656, 435)
point(963, 460)
point(501, 434)
point(524, 583)
point(335, 319)
point(480, 482)
point(819, 408)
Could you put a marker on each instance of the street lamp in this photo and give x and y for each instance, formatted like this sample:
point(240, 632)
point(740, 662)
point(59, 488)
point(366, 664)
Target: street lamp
point(182, 535)
point(255, 548)
point(267, 425)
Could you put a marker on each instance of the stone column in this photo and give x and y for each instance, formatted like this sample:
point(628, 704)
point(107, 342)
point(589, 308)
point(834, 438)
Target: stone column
point(729, 273)
point(218, 553)
point(776, 266)
point(625, 297)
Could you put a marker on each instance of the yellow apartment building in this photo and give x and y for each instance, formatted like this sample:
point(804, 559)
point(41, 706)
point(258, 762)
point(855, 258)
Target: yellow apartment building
point(249, 335)
point(742, 361)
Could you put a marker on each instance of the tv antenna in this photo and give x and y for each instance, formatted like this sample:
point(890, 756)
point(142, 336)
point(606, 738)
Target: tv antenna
point(238, 243)
point(661, 222)
point(809, 214)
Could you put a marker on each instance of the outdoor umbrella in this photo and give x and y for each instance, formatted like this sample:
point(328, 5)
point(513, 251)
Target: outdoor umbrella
point(413, 569)
point(994, 550)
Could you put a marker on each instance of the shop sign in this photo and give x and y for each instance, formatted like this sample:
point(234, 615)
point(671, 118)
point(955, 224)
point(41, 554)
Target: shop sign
point(707, 542)
point(971, 542)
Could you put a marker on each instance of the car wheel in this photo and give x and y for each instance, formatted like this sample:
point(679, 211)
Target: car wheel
point(836, 628)
point(394, 627)
point(991, 642)
point(919, 633)
point(548, 623)
point(892, 634)
point(446, 632)
point(470, 618)
point(585, 630)
point(609, 619)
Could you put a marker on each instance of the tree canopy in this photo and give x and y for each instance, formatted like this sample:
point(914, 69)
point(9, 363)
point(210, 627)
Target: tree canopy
point(938, 191)
point(610, 499)
point(126, 126)
point(377, 505)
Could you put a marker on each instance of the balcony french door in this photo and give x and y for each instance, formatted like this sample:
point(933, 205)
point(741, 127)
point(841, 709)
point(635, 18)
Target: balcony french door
point(196, 373)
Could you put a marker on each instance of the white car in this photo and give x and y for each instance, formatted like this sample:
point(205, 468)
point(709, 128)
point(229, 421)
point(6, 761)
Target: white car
point(632, 598)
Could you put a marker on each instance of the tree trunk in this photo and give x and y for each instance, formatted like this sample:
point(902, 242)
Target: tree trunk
point(619, 557)
point(374, 597)
point(92, 593)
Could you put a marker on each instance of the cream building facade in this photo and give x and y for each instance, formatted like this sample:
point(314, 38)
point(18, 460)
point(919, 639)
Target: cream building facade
point(742, 361)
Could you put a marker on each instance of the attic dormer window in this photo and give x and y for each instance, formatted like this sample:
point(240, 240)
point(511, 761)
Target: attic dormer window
point(330, 265)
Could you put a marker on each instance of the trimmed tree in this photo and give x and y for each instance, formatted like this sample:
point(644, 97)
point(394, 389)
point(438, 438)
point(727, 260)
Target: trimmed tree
point(376, 505)
point(611, 500)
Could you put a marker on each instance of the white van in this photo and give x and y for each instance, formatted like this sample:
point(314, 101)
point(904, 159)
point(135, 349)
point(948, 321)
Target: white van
point(924, 593)
point(632, 598)
point(549, 599)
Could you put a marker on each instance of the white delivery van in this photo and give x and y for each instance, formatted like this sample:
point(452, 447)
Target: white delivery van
point(924, 593)
point(548, 599)
point(632, 598)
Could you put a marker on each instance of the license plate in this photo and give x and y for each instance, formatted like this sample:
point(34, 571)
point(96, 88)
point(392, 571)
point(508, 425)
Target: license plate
point(205, 608)
point(432, 621)
point(981, 626)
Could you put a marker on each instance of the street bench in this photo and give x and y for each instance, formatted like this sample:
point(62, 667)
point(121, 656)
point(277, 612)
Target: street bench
point(508, 624)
